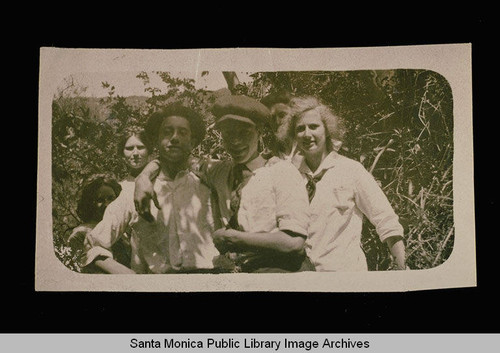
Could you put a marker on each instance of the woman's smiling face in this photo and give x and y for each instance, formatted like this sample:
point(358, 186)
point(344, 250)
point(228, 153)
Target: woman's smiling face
point(310, 133)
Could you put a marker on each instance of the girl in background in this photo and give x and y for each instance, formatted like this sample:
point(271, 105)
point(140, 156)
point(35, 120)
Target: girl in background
point(96, 194)
point(134, 149)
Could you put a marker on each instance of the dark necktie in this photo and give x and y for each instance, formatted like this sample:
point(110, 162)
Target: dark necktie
point(239, 174)
point(311, 183)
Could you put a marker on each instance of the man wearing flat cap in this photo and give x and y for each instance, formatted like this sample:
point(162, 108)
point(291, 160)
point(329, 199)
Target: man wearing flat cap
point(262, 206)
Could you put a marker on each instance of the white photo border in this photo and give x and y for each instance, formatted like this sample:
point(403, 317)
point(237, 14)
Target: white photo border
point(452, 61)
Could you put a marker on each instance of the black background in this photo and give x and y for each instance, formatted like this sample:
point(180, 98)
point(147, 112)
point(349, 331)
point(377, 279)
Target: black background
point(434, 311)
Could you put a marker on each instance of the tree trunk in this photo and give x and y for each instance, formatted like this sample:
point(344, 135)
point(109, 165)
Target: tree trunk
point(232, 80)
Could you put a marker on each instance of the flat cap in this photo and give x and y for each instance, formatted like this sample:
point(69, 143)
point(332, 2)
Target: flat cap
point(241, 108)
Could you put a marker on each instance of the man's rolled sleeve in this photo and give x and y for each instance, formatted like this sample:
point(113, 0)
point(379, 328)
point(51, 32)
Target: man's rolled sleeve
point(292, 204)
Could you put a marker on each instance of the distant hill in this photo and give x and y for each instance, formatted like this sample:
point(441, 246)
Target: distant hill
point(101, 111)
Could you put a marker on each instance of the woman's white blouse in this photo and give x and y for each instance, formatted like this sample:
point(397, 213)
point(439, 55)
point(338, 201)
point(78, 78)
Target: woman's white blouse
point(346, 192)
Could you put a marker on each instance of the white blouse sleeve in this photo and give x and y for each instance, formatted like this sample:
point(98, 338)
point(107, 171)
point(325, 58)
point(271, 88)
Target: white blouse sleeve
point(116, 219)
point(372, 201)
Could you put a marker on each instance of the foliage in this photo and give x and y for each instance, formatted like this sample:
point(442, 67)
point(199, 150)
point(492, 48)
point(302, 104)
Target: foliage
point(399, 125)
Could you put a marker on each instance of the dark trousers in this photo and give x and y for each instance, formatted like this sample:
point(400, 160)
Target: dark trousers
point(279, 263)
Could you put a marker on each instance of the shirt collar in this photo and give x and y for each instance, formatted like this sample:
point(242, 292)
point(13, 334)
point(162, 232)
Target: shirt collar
point(179, 175)
point(329, 162)
point(256, 163)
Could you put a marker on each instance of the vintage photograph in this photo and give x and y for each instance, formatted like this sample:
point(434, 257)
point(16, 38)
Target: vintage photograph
point(317, 176)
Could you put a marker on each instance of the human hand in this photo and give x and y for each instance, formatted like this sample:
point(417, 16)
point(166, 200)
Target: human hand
point(77, 239)
point(143, 194)
point(399, 265)
point(224, 239)
point(398, 253)
point(224, 263)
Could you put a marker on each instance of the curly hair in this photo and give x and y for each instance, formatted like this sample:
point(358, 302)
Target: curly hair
point(196, 122)
point(334, 125)
point(86, 204)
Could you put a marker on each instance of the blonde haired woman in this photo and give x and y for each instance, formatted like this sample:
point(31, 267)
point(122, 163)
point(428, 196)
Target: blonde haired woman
point(341, 193)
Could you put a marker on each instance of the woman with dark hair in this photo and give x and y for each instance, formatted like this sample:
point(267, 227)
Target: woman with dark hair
point(135, 149)
point(96, 194)
point(178, 239)
point(341, 192)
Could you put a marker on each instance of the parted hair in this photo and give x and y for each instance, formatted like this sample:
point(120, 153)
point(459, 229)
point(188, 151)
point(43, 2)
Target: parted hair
point(133, 130)
point(334, 125)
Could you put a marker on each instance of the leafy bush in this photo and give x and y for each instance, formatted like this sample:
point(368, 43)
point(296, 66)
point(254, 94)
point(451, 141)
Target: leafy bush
point(399, 126)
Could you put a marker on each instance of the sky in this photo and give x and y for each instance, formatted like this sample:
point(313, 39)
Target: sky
point(127, 84)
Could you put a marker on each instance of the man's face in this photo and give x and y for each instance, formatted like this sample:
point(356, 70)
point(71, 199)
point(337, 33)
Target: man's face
point(174, 139)
point(280, 120)
point(241, 140)
point(279, 114)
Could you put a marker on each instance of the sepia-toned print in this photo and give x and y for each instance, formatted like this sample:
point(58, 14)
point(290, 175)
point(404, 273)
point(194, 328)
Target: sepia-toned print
point(306, 176)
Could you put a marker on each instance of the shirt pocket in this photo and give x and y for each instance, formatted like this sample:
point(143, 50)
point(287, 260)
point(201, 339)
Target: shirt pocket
point(342, 199)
